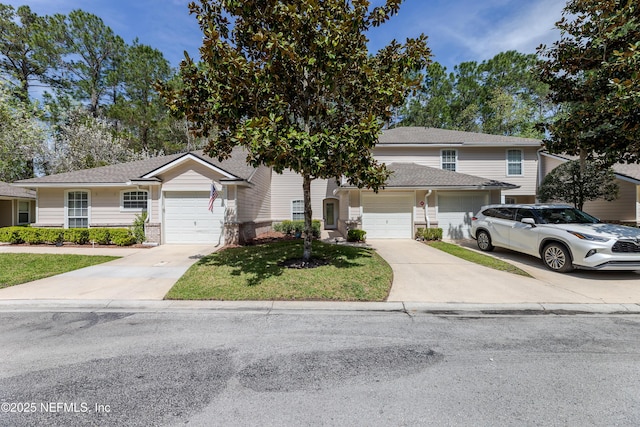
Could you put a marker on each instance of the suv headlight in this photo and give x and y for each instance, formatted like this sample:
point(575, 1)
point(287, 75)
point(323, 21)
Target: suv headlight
point(589, 237)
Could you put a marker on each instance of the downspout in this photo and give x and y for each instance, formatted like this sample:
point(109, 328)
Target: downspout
point(540, 177)
point(426, 209)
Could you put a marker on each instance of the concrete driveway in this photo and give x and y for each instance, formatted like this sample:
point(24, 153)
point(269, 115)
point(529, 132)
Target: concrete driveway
point(141, 274)
point(425, 274)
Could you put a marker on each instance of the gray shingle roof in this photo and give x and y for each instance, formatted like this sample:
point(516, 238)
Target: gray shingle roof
point(413, 175)
point(7, 190)
point(630, 170)
point(125, 172)
point(423, 135)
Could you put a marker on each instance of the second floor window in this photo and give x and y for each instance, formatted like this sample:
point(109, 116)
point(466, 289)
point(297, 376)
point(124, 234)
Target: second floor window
point(514, 162)
point(449, 160)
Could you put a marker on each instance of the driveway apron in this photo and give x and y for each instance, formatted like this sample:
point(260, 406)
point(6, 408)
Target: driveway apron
point(141, 274)
point(424, 274)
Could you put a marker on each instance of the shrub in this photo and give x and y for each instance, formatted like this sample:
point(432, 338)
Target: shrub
point(432, 234)
point(52, 236)
point(100, 236)
point(11, 235)
point(356, 235)
point(290, 227)
point(79, 236)
point(138, 227)
point(122, 237)
point(33, 236)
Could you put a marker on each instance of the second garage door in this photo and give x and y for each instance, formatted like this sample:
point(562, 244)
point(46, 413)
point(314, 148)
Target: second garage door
point(188, 220)
point(388, 216)
point(455, 210)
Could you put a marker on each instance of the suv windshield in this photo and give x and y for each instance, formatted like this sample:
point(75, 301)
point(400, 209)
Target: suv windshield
point(564, 216)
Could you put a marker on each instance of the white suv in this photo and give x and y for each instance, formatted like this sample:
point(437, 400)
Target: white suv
point(562, 236)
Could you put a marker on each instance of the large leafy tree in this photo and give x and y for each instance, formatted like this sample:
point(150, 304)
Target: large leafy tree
point(92, 50)
point(30, 48)
point(497, 96)
point(139, 107)
point(594, 76)
point(572, 183)
point(83, 141)
point(292, 81)
point(22, 139)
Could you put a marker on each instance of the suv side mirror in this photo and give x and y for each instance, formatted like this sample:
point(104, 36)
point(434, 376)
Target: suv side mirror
point(530, 221)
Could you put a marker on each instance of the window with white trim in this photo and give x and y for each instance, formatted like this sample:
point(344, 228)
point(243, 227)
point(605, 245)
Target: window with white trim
point(78, 209)
point(134, 200)
point(297, 210)
point(23, 212)
point(449, 160)
point(514, 162)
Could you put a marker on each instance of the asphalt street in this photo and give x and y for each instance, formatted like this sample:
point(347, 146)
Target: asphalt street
point(227, 368)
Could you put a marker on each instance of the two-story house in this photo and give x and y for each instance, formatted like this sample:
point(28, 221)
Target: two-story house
point(440, 179)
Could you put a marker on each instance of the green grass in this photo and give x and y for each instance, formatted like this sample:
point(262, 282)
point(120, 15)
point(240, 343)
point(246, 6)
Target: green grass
point(18, 268)
point(478, 258)
point(254, 273)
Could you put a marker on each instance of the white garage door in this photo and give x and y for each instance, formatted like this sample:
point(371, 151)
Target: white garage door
point(187, 218)
point(388, 216)
point(455, 211)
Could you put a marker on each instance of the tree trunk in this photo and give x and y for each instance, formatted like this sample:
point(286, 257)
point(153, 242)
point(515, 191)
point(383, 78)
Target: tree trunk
point(308, 232)
point(582, 174)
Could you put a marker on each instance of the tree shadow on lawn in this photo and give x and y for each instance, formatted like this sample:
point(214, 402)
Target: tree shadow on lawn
point(261, 262)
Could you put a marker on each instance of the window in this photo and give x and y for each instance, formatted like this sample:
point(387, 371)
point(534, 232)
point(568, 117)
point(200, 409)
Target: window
point(297, 210)
point(514, 162)
point(23, 212)
point(78, 209)
point(449, 158)
point(136, 200)
point(499, 212)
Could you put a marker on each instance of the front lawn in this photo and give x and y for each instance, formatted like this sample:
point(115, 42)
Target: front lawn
point(256, 273)
point(16, 268)
point(478, 258)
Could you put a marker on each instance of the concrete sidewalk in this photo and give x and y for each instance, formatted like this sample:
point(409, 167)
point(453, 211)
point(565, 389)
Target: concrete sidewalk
point(141, 274)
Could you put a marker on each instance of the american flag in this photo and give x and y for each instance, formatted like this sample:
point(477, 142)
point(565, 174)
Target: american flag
point(212, 196)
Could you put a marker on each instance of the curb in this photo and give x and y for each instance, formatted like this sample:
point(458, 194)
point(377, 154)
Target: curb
point(309, 307)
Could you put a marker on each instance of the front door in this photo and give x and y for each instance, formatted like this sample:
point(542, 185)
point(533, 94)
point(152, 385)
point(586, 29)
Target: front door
point(329, 215)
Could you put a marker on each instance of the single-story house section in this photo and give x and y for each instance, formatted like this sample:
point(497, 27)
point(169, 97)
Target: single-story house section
point(418, 196)
point(17, 205)
point(175, 191)
point(625, 209)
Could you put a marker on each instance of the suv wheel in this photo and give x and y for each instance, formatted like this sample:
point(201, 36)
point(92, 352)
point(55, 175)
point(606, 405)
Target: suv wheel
point(557, 258)
point(484, 241)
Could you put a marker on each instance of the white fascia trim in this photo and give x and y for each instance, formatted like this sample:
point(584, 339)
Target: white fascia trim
point(183, 159)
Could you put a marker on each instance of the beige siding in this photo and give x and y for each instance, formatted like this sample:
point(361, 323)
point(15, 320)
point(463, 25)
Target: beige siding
point(547, 164)
point(189, 176)
point(104, 206)
point(287, 187)
point(355, 211)
point(106, 211)
point(254, 203)
point(486, 162)
point(50, 211)
point(622, 209)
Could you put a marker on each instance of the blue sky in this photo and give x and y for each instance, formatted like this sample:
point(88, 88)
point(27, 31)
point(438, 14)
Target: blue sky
point(458, 30)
